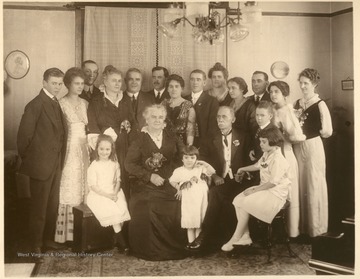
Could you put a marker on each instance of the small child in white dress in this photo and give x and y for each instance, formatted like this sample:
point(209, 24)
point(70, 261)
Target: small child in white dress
point(106, 199)
point(263, 201)
point(190, 180)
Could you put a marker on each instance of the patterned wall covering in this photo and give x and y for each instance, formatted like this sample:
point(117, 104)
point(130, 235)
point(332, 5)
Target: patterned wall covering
point(122, 37)
point(126, 37)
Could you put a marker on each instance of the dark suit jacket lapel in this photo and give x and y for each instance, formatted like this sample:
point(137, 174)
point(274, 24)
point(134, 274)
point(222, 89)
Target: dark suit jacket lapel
point(165, 95)
point(48, 107)
point(127, 101)
point(235, 138)
point(201, 99)
point(220, 150)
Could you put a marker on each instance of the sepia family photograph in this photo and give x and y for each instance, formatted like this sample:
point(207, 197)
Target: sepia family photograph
point(153, 138)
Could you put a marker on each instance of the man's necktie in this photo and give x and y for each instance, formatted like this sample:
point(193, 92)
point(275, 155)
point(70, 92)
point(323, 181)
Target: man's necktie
point(225, 138)
point(55, 100)
point(133, 102)
point(257, 132)
point(226, 141)
point(88, 94)
point(56, 107)
point(257, 99)
point(157, 98)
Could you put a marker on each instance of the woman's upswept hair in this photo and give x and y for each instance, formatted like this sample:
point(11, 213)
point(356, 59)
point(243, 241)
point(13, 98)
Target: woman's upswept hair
point(177, 78)
point(241, 82)
point(150, 108)
point(218, 68)
point(273, 135)
point(107, 138)
point(311, 74)
point(109, 70)
point(282, 85)
point(190, 150)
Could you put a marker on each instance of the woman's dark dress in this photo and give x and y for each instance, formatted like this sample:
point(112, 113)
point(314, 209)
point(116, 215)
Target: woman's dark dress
point(154, 230)
point(245, 118)
point(178, 119)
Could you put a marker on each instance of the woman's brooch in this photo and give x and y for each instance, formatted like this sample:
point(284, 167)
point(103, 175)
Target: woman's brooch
point(236, 142)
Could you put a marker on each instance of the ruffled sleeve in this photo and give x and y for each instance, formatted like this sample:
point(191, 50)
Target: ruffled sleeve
point(291, 125)
point(326, 124)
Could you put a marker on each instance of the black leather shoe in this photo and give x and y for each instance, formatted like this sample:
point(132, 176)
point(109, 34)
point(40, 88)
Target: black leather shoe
point(198, 243)
point(121, 244)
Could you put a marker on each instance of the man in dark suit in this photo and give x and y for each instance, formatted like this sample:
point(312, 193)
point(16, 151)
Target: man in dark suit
point(227, 152)
point(91, 71)
point(259, 83)
point(41, 143)
point(205, 107)
point(136, 99)
point(159, 76)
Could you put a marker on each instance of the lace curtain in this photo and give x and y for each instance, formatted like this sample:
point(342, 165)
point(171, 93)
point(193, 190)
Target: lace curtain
point(126, 37)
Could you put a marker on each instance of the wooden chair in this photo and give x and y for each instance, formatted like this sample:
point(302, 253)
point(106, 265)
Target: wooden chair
point(281, 218)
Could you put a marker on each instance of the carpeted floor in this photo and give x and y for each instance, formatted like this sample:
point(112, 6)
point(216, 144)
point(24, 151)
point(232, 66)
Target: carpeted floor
point(253, 261)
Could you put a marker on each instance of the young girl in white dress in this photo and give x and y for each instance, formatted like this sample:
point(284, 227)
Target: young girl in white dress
point(263, 201)
point(190, 181)
point(106, 198)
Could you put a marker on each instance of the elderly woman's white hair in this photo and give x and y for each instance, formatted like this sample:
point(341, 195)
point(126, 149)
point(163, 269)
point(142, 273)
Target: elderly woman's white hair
point(147, 111)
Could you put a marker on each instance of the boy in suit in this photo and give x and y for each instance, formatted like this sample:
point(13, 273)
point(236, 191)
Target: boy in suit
point(41, 142)
point(205, 107)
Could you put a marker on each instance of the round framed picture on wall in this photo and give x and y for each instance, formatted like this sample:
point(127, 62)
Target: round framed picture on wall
point(17, 64)
point(280, 69)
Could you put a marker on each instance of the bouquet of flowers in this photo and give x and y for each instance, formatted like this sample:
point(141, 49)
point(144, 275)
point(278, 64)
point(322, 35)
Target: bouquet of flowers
point(155, 161)
point(125, 126)
point(301, 115)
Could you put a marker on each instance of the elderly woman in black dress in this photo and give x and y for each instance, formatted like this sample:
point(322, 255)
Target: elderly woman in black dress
point(109, 114)
point(155, 231)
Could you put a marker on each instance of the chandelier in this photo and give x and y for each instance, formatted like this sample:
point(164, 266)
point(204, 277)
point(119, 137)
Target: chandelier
point(208, 26)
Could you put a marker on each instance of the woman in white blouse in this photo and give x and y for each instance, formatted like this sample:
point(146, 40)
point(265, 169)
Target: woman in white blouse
point(315, 120)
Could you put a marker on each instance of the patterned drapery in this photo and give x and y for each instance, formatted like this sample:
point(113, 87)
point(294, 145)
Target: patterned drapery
point(126, 37)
